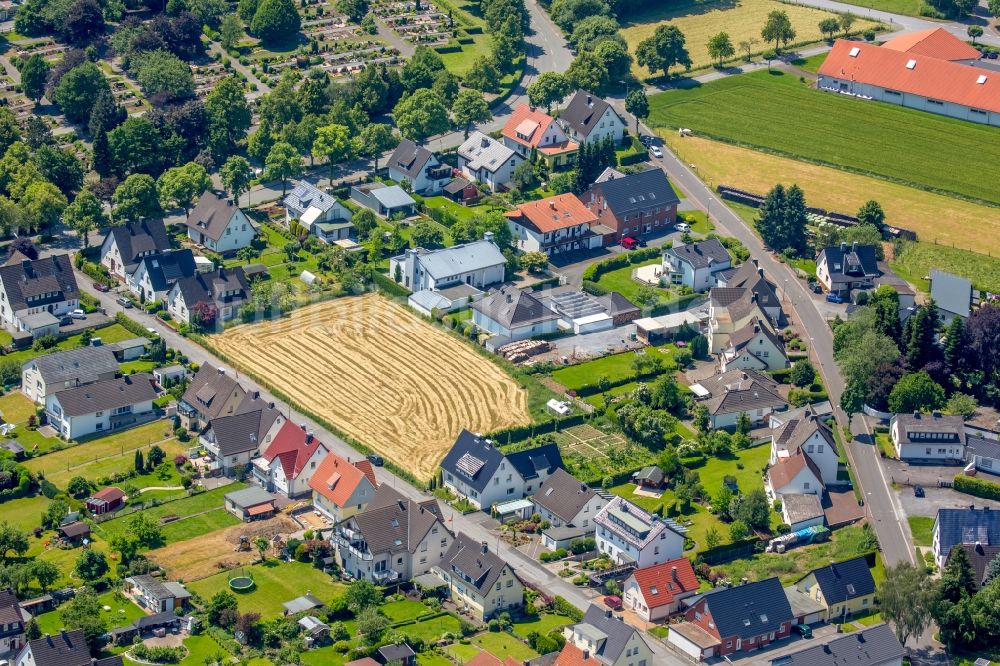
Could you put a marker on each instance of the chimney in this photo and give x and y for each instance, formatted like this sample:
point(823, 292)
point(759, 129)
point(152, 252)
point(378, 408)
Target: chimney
point(270, 405)
point(673, 573)
point(760, 272)
point(552, 205)
point(302, 425)
point(586, 655)
point(485, 547)
point(510, 299)
point(488, 236)
point(309, 437)
point(485, 143)
point(854, 246)
point(936, 414)
point(916, 414)
point(607, 613)
point(745, 376)
point(221, 371)
point(590, 101)
point(222, 272)
point(256, 395)
point(843, 247)
point(756, 264)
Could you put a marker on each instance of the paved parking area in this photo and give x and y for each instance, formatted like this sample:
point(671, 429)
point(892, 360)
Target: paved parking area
point(935, 497)
point(821, 634)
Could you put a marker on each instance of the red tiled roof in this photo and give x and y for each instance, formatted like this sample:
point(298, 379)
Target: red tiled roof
point(571, 655)
point(558, 212)
point(291, 448)
point(927, 77)
point(109, 494)
point(935, 43)
point(661, 577)
point(782, 474)
point(486, 659)
point(336, 479)
point(529, 122)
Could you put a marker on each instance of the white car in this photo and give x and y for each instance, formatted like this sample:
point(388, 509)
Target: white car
point(78, 314)
point(683, 227)
point(656, 151)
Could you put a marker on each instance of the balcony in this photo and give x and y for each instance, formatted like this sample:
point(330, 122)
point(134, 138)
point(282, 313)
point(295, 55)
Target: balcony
point(439, 173)
point(385, 576)
point(355, 547)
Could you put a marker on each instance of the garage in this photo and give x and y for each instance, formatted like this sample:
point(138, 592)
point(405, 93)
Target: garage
point(692, 640)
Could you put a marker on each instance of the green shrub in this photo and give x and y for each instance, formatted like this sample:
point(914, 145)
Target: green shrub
point(977, 487)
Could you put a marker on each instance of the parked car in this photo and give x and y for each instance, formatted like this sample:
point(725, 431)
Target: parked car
point(613, 602)
point(630, 243)
point(375, 459)
point(646, 140)
point(834, 297)
point(78, 314)
point(124, 302)
point(682, 227)
point(817, 289)
point(918, 490)
point(803, 630)
point(656, 151)
point(101, 287)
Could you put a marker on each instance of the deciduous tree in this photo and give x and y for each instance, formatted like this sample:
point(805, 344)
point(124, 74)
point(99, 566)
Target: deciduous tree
point(375, 139)
point(663, 49)
point(334, 142)
point(34, 71)
point(182, 186)
point(84, 215)
point(236, 174)
point(275, 21)
point(778, 29)
point(136, 198)
point(470, 107)
point(548, 88)
point(720, 47)
point(283, 162)
point(421, 115)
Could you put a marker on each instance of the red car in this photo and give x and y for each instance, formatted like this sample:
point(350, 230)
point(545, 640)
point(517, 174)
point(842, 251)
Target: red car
point(613, 602)
point(100, 286)
point(629, 243)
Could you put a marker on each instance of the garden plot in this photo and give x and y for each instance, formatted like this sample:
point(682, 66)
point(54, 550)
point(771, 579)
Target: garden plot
point(418, 23)
point(591, 454)
point(380, 375)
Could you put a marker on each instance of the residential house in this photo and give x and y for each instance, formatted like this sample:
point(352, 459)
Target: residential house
point(388, 201)
point(871, 646)
point(749, 275)
point(564, 501)
point(155, 595)
point(554, 225)
point(606, 639)
point(447, 299)
point(485, 160)
point(969, 526)
point(736, 392)
point(935, 436)
point(694, 265)
point(225, 289)
point(514, 314)
point(341, 488)
point(843, 268)
point(983, 453)
point(807, 433)
point(795, 475)
point(634, 205)
point(106, 500)
point(938, 74)
point(111, 404)
point(44, 375)
point(13, 621)
point(629, 535)
point(591, 118)
point(234, 439)
point(980, 556)
point(754, 347)
point(953, 295)
point(250, 503)
point(218, 224)
point(146, 625)
point(842, 588)
point(211, 394)
point(393, 539)
point(731, 309)
point(126, 244)
point(655, 593)
point(419, 167)
point(479, 263)
point(321, 214)
point(728, 620)
point(475, 470)
point(40, 287)
point(532, 131)
point(155, 274)
point(287, 465)
point(67, 648)
point(479, 581)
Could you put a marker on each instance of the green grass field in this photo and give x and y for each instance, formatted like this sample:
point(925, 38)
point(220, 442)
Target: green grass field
point(922, 530)
point(543, 624)
point(108, 334)
point(905, 7)
point(277, 582)
point(25, 513)
point(121, 612)
point(189, 506)
point(614, 367)
point(467, 14)
point(431, 630)
point(916, 260)
point(502, 645)
point(942, 154)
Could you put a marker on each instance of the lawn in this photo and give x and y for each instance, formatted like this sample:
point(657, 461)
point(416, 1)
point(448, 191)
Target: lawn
point(922, 530)
point(790, 566)
point(933, 216)
point(196, 526)
point(459, 211)
point(811, 63)
point(277, 582)
point(905, 7)
point(324, 656)
point(543, 624)
point(466, 13)
point(108, 334)
point(210, 500)
point(741, 20)
point(711, 473)
point(431, 630)
point(620, 280)
point(700, 224)
point(120, 612)
point(943, 154)
point(502, 645)
point(615, 367)
point(16, 408)
point(25, 513)
point(400, 611)
point(916, 260)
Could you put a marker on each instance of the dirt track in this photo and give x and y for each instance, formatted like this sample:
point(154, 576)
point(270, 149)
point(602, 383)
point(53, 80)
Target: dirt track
point(381, 375)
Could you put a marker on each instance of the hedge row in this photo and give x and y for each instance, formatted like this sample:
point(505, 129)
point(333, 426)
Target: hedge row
point(389, 287)
point(547, 282)
point(594, 289)
point(131, 325)
point(564, 607)
point(977, 487)
point(518, 433)
point(592, 389)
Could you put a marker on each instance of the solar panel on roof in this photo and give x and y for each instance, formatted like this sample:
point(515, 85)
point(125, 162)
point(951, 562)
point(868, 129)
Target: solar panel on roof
point(469, 464)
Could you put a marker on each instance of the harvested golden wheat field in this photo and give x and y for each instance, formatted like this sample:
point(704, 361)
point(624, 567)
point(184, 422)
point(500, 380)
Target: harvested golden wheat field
point(381, 375)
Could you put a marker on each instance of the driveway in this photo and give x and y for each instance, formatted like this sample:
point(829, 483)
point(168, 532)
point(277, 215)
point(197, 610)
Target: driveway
point(935, 497)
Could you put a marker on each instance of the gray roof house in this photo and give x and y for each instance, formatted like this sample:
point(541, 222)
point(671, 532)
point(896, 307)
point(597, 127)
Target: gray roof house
point(125, 244)
point(155, 274)
point(156, 595)
point(980, 557)
point(212, 393)
point(385, 200)
point(250, 503)
point(588, 117)
point(477, 263)
point(694, 265)
point(970, 525)
point(935, 436)
point(478, 579)
point(872, 646)
point(419, 167)
point(67, 648)
point(749, 275)
point(754, 347)
point(513, 314)
point(321, 213)
point(566, 502)
point(49, 373)
point(953, 295)
point(44, 285)
point(845, 267)
point(484, 159)
point(218, 224)
point(226, 288)
point(984, 453)
point(731, 393)
point(234, 438)
point(110, 404)
point(606, 638)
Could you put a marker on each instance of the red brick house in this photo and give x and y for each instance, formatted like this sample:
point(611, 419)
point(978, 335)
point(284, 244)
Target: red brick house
point(106, 500)
point(728, 620)
point(634, 206)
